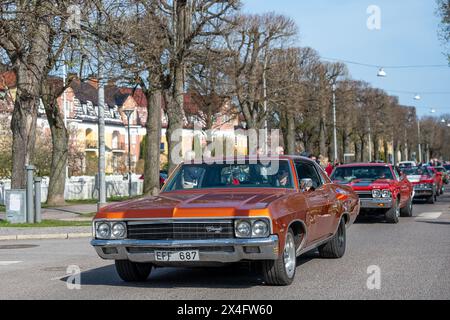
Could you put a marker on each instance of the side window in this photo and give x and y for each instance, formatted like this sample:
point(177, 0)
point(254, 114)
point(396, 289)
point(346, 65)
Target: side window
point(307, 171)
point(397, 173)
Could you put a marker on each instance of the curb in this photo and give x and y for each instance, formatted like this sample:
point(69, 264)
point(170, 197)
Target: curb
point(63, 236)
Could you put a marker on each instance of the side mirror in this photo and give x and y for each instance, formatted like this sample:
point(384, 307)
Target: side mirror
point(306, 185)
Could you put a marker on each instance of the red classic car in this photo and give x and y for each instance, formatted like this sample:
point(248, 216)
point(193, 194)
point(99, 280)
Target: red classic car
point(427, 183)
point(226, 212)
point(381, 188)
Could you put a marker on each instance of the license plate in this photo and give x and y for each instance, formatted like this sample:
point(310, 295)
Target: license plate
point(177, 256)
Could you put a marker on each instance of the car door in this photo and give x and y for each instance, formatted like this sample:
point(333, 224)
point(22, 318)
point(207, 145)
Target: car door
point(405, 186)
point(317, 201)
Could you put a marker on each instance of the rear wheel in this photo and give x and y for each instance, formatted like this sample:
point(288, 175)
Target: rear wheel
point(335, 248)
point(281, 272)
point(133, 272)
point(408, 209)
point(431, 199)
point(393, 213)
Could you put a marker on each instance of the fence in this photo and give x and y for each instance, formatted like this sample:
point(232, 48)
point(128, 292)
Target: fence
point(83, 188)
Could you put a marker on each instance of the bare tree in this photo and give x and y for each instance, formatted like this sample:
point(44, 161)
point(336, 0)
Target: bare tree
point(249, 46)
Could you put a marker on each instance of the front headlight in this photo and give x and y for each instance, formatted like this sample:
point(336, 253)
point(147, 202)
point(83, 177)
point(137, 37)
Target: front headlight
point(252, 228)
point(376, 193)
point(103, 230)
point(119, 230)
point(386, 194)
point(243, 229)
point(260, 229)
point(110, 230)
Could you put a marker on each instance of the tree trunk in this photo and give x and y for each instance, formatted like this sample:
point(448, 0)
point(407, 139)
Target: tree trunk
point(175, 115)
point(290, 135)
point(322, 137)
point(23, 124)
point(152, 160)
point(60, 151)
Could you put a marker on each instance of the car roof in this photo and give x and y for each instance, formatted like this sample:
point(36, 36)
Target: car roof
point(350, 165)
point(248, 158)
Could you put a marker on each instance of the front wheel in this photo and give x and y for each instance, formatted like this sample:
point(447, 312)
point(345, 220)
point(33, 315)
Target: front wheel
point(281, 272)
point(408, 209)
point(133, 272)
point(335, 248)
point(393, 214)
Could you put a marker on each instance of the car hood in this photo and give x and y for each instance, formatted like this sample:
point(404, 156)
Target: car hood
point(211, 203)
point(365, 185)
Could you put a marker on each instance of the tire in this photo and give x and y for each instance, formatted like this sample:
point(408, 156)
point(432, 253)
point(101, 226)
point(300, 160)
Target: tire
point(431, 199)
point(393, 213)
point(335, 248)
point(281, 272)
point(133, 272)
point(408, 209)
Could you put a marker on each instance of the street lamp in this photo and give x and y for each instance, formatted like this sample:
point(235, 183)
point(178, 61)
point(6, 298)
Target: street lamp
point(334, 122)
point(381, 73)
point(128, 113)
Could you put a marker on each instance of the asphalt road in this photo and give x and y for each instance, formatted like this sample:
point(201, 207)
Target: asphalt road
point(413, 258)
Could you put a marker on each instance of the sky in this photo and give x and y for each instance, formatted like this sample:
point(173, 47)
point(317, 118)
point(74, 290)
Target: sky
point(408, 36)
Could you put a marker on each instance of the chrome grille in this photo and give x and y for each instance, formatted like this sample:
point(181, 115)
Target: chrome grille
point(364, 194)
point(149, 250)
point(203, 230)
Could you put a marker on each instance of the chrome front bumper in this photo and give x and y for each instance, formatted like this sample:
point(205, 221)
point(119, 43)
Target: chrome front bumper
point(423, 192)
point(221, 251)
point(380, 203)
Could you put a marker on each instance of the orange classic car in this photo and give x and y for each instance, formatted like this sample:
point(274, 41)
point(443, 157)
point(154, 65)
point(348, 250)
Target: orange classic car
point(265, 211)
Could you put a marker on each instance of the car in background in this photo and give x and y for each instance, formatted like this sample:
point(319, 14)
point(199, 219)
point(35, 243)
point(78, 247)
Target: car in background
point(445, 176)
point(265, 211)
point(407, 164)
point(381, 189)
point(439, 176)
point(447, 167)
point(426, 183)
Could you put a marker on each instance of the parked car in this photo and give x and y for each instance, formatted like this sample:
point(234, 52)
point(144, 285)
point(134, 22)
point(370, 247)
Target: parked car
point(216, 214)
point(381, 188)
point(426, 183)
point(441, 173)
point(163, 175)
point(407, 164)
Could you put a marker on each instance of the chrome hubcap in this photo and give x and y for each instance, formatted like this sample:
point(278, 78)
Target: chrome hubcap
point(289, 256)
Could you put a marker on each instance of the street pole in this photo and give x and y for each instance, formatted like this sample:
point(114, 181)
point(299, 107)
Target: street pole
point(266, 134)
point(334, 122)
point(418, 136)
point(101, 132)
point(128, 113)
point(65, 103)
point(370, 141)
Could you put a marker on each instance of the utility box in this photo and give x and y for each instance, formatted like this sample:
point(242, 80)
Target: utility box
point(16, 208)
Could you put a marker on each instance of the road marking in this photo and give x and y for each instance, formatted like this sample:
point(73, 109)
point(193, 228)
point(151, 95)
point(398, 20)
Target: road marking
point(7, 263)
point(430, 215)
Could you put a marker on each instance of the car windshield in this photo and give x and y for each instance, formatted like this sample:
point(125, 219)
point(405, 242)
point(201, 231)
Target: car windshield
point(352, 174)
point(447, 167)
point(232, 176)
point(416, 171)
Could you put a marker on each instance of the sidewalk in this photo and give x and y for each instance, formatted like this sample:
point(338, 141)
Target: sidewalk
point(66, 213)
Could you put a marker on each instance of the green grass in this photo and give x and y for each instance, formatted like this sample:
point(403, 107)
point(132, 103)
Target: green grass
point(45, 224)
point(2, 208)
